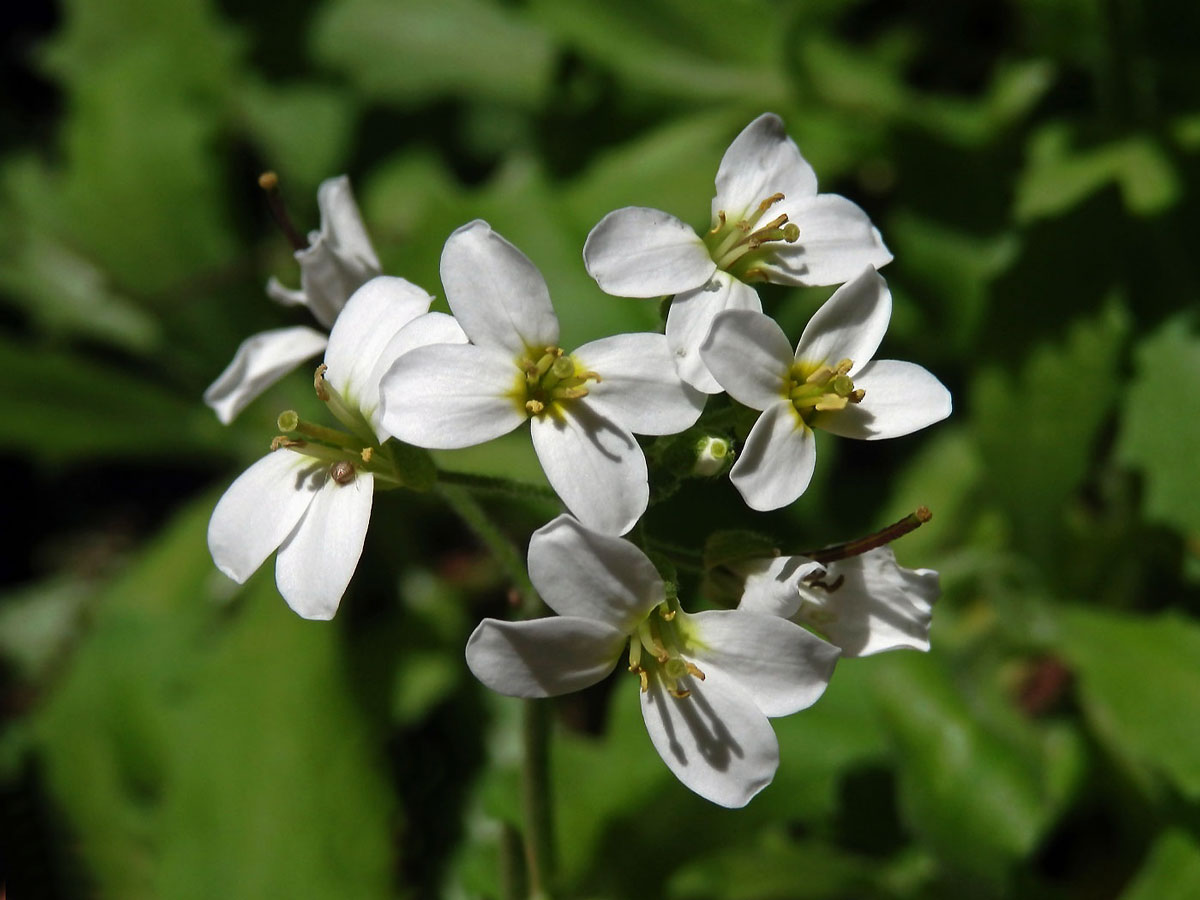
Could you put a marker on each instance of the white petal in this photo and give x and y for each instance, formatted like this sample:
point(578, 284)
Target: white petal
point(285, 296)
point(849, 325)
point(498, 296)
point(716, 740)
point(593, 576)
point(260, 509)
point(749, 355)
point(772, 586)
point(446, 396)
point(638, 385)
point(783, 669)
point(837, 241)
point(761, 161)
point(543, 657)
point(639, 252)
point(691, 315)
point(872, 604)
point(595, 466)
point(372, 317)
point(259, 362)
point(777, 461)
point(424, 330)
point(318, 559)
point(339, 258)
point(900, 398)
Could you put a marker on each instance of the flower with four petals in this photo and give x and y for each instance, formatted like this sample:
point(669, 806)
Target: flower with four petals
point(831, 382)
point(768, 224)
point(583, 407)
point(709, 681)
point(311, 499)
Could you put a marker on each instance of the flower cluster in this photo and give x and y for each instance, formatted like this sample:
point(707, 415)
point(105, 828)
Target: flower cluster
point(401, 380)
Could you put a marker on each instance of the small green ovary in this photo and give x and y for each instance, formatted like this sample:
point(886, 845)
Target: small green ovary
point(822, 388)
point(547, 379)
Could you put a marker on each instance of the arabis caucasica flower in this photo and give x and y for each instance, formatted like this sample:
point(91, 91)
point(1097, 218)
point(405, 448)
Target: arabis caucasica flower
point(768, 224)
point(830, 382)
point(338, 260)
point(708, 681)
point(864, 604)
point(583, 407)
point(311, 496)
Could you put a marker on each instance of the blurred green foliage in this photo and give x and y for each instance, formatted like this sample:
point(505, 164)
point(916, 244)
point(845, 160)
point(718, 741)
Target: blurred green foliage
point(1034, 167)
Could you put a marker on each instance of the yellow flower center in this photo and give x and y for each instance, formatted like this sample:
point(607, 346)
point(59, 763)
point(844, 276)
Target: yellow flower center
point(658, 643)
point(739, 246)
point(548, 379)
point(821, 388)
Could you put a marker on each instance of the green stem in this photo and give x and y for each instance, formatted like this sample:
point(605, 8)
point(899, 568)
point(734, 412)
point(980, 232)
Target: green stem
point(536, 799)
point(477, 519)
point(504, 487)
point(512, 864)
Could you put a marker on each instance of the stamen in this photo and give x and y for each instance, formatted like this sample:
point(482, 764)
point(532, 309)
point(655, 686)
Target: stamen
point(680, 693)
point(367, 453)
point(720, 222)
point(533, 407)
point(694, 670)
point(269, 182)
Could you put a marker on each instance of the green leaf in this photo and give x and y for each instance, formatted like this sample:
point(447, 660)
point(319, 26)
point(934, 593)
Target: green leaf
point(1170, 872)
point(970, 795)
point(1036, 429)
point(1139, 682)
point(1057, 177)
point(70, 408)
point(193, 743)
point(423, 49)
point(1160, 431)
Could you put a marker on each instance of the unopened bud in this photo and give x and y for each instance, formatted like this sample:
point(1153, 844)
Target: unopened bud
point(712, 456)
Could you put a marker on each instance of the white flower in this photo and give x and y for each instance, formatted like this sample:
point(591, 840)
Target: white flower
point(865, 604)
point(768, 224)
point(830, 382)
point(584, 406)
point(338, 260)
point(708, 681)
point(312, 499)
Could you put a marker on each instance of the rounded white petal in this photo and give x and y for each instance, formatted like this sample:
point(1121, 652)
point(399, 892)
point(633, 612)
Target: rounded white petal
point(777, 461)
point(341, 223)
point(543, 657)
point(640, 252)
point(339, 258)
point(378, 310)
point(595, 466)
point(638, 385)
point(690, 317)
point(837, 241)
point(849, 325)
point(716, 740)
point(772, 586)
point(877, 604)
point(784, 669)
point(498, 296)
point(593, 576)
point(424, 330)
point(899, 398)
point(260, 509)
point(446, 396)
point(260, 361)
point(318, 559)
point(762, 161)
point(749, 355)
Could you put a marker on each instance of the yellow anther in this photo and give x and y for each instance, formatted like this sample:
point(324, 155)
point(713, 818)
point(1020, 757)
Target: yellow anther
point(568, 393)
point(680, 693)
point(820, 376)
point(284, 441)
point(666, 612)
point(720, 222)
point(843, 367)
point(694, 671)
point(645, 679)
point(319, 383)
point(856, 395)
point(769, 202)
point(533, 407)
point(367, 453)
point(830, 402)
